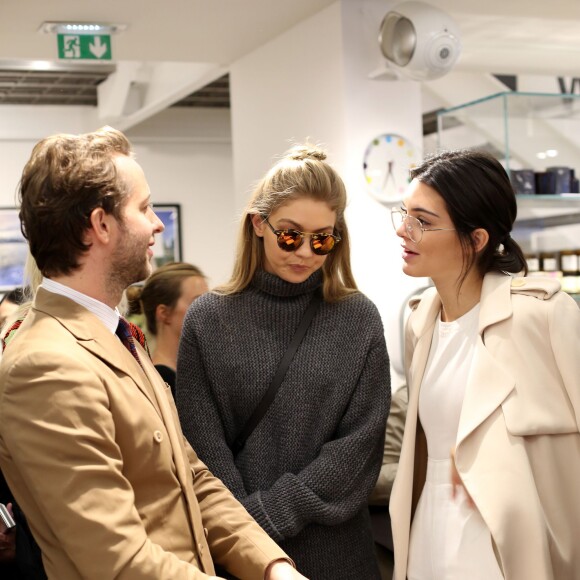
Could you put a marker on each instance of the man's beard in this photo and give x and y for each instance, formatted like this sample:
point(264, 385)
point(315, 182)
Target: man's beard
point(129, 263)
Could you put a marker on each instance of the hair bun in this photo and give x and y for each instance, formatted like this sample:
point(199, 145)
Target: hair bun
point(306, 151)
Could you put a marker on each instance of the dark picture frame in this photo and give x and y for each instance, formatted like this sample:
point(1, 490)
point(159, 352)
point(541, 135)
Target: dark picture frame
point(167, 246)
point(13, 250)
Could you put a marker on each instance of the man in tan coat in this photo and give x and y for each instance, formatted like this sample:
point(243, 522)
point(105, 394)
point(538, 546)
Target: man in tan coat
point(90, 443)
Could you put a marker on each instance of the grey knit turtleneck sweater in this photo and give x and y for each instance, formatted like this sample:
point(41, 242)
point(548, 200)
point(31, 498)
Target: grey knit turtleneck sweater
point(307, 470)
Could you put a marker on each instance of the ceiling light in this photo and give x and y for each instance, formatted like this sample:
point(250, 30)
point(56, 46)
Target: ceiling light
point(81, 28)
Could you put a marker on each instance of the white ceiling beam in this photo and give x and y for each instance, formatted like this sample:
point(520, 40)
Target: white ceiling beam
point(141, 92)
point(113, 93)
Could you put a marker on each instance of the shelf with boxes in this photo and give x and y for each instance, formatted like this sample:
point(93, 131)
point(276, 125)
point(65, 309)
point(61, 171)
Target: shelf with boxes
point(563, 265)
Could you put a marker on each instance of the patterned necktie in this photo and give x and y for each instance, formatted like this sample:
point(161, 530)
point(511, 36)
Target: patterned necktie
point(128, 333)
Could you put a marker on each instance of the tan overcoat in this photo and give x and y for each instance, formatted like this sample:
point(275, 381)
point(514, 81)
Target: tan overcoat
point(518, 444)
point(91, 446)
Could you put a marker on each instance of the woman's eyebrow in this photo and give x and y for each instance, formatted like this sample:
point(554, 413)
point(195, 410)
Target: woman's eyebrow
point(423, 210)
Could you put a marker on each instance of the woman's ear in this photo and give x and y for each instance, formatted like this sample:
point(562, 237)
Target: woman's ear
point(480, 239)
point(162, 313)
point(259, 224)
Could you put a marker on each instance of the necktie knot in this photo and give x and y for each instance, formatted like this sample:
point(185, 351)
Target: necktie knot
point(128, 333)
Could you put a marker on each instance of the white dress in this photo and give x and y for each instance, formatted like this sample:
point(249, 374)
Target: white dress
point(449, 539)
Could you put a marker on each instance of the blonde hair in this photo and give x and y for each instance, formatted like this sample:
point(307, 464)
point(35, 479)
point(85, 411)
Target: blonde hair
point(301, 173)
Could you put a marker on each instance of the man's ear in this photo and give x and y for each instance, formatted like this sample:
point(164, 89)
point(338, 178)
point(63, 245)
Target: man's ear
point(259, 225)
point(100, 226)
point(480, 239)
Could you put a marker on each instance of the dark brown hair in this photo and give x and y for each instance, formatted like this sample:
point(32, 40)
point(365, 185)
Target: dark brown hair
point(65, 179)
point(162, 287)
point(478, 194)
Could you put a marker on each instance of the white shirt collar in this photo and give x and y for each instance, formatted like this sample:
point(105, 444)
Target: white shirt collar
point(108, 316)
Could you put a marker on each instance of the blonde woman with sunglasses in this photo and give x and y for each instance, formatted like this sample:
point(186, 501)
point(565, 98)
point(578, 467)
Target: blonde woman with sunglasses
point(487, 482)
point(307, 468)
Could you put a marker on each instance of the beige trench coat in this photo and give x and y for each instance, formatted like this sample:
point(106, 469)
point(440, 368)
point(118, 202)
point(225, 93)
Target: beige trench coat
point(518, 443)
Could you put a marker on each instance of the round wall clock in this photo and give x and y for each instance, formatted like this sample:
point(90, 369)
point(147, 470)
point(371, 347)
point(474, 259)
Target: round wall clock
point(386, 165)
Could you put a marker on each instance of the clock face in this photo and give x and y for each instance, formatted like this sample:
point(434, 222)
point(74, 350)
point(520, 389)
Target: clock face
point(386, 165)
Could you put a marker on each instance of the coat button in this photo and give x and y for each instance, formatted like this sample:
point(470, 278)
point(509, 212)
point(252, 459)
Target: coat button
point(158, 436)
point(205, 532)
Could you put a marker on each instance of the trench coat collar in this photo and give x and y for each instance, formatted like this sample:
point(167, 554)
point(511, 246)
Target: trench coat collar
point(495, 305)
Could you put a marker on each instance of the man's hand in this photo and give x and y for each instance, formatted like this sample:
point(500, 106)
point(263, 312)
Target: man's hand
point(7, 541)
point(282, 570)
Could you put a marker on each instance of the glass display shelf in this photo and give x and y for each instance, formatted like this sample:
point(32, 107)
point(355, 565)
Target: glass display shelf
point(525, 131)
point(536, 137)
point(548, 210)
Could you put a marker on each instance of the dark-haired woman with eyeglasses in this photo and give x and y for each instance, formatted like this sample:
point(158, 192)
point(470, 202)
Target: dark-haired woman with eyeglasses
point(487, 483)
point(307, 468)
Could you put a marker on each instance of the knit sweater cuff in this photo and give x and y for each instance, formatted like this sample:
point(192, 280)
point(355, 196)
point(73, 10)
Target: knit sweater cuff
point(253, 503)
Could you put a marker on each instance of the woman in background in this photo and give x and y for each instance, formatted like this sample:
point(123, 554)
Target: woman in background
point(307, 468)
point(487, 483)
point(164, 299)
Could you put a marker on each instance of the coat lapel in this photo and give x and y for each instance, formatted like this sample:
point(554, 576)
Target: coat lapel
point(478, 403)
point(489, 383)
point(93, 336)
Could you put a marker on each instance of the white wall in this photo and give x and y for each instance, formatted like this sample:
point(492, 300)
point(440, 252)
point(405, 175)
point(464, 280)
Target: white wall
point(187, 157)
point(22, 126)
point(285, 92)
point(185, 153)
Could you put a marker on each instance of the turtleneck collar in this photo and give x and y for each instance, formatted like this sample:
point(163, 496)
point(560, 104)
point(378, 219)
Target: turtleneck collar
point(272, 284)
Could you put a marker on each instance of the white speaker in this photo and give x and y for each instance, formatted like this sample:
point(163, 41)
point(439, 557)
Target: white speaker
point(419, 41)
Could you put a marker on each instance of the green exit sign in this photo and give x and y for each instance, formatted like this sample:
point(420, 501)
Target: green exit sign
point(84, 46)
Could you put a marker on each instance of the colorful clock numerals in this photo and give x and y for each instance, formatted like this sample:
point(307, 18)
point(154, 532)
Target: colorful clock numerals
point(386, 164)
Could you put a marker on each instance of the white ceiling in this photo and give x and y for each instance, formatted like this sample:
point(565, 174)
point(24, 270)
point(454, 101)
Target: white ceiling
point(499, 36)
point(217, 31)
point(202, 37)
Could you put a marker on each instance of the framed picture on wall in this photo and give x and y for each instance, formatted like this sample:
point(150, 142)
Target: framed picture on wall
point(13, 249)
point(167, 246)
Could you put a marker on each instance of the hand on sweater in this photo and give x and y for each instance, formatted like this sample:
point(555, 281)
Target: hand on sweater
point(282, 570)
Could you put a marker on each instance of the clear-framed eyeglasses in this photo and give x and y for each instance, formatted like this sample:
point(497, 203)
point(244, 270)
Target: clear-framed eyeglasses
point(413, 226)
